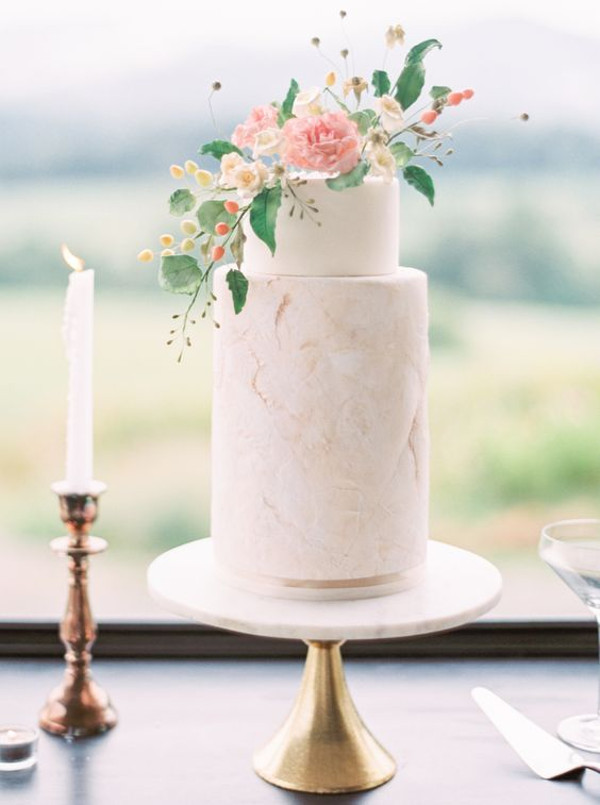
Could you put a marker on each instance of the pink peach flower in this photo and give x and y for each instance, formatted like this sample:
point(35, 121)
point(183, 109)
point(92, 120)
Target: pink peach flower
point(327, 143)
point(259, 119)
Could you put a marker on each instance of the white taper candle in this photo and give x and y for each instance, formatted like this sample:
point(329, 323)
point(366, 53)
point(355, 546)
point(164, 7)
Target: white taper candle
point(78, 335)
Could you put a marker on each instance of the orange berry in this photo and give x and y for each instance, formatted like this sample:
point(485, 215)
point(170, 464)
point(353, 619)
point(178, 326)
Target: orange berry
point(468, 94)
point(454, 98)
point(429, 117)
point(232, 207)
point(222, 229)
point(217, 253)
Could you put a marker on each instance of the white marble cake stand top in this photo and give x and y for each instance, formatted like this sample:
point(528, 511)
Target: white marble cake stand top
point(458, 587)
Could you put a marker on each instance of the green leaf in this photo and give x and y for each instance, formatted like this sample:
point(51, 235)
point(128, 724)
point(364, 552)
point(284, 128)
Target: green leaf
point(179, 273)
point(418, 52)
point(412, 77)
point(181, 201)
point(206, 245)
point(238, 285)
point(364, 119)
point(421, 181)
point(286, 107)
point(402, 154)
point(263, 214)
point(351, 179)
point(381, 83)
point(211, 213)
point(439, 92)
point(218, 148)
point(237, 246)
point(410, 84)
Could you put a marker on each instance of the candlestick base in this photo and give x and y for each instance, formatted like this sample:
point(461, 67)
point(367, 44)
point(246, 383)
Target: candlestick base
point(78, 707)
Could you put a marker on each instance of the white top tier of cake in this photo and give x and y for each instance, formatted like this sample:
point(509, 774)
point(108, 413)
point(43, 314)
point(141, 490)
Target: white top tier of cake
point(354, 233)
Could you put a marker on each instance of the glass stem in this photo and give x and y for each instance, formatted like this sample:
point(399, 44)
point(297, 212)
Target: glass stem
point(597, 614)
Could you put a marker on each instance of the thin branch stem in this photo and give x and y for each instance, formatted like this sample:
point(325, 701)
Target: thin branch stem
point(306, 208)
point(204, 282)
point(339, 101)
point(349, 42)
point(212, 113)
point(327, 59)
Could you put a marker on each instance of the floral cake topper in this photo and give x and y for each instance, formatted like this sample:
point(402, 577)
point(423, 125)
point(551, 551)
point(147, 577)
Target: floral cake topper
point(344, 130)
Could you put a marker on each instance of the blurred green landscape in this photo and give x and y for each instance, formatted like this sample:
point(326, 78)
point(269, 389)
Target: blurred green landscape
point(98, 103)
point(528, 237)
point(514, 413)
point(511, 252)
point(514, 390)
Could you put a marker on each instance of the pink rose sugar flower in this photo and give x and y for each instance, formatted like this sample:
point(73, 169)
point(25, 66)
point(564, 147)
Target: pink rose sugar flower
point(326, 143)
point(259, 119)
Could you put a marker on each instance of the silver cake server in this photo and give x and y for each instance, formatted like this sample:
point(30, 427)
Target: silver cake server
point(542, 752)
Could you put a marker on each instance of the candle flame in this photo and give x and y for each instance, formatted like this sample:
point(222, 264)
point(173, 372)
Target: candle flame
point(74, 262)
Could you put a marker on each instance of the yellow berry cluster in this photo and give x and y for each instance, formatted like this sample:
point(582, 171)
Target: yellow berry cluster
point(188, 227)
point(203, 177)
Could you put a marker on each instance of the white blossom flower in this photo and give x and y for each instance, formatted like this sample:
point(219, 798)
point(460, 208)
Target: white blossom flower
point(308, 102)
point(249, 178)
point(390, 113)
point(229, 162)
point(357, 84)
point(381, 161)
point(267, 142)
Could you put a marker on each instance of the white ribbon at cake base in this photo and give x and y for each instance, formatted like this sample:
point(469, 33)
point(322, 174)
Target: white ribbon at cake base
point(322, 589)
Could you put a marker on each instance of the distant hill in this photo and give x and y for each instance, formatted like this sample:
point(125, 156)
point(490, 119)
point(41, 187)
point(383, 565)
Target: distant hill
point(142, 120)
point(516, 208)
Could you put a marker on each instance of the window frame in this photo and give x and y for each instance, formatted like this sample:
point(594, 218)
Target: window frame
point(509, 639)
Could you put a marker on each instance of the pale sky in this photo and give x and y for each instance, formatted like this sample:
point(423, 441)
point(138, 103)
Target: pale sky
point(191, 19)
point(68, 42)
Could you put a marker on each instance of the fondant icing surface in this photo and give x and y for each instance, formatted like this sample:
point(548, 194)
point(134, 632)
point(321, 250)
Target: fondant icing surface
point(320, 440)
point(354, 232)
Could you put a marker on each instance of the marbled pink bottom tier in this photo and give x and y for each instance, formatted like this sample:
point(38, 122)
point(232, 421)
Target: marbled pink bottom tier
point(320, 440)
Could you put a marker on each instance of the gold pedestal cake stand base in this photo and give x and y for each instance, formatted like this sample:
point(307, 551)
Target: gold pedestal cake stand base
point(323, 746)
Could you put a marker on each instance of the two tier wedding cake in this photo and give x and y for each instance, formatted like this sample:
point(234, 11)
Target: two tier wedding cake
point(319, 438)
point(319, 443)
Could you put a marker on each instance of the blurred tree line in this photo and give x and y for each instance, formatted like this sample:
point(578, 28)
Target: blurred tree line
point(515, 214)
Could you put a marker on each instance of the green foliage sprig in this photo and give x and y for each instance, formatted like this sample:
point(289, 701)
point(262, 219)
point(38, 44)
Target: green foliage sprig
point(261, 164)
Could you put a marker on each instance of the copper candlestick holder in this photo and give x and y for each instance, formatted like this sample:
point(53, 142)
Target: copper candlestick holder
point(78, 707)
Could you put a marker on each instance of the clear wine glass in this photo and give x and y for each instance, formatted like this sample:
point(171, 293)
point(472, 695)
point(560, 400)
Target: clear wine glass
point(572, 549)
